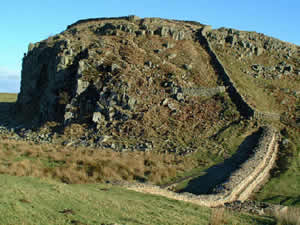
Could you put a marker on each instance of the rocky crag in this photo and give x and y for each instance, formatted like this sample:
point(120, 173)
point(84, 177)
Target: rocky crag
point(84, 71)
point(125, 77)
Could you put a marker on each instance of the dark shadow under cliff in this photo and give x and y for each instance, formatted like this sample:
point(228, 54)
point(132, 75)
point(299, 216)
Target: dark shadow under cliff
point(219, 173)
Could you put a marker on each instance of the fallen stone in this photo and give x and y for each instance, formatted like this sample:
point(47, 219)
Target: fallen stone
point(258, 51)
point(187, 66)
point(98, 117)
point(230, 39)
point(172, 56)
point(81, 86)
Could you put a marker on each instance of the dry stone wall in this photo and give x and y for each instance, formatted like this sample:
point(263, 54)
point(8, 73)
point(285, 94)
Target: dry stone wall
point(240, 184)
point(137, 26)
point(244, 107)
point(205, 92)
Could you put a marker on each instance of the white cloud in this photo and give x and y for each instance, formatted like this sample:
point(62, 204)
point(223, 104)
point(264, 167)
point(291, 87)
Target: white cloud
point(6, 73)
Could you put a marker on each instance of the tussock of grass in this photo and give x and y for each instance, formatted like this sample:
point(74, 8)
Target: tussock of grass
point(217, 217)
point(290, 216)
point(81, 165)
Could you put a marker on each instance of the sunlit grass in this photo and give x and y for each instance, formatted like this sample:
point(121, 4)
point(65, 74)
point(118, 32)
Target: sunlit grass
point(8, 97)
point(27, 200)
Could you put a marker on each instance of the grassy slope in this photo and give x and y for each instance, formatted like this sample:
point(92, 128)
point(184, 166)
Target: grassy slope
point(267, 95)
point(284, 186)
point(76, 165)
point(26, 200)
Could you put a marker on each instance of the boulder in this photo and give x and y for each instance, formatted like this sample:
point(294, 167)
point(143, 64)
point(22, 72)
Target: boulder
point(168, 45)
point(30, 47)
point(172, 56)
point(187, 66)
point(258, 51)
point(178, 35)
point(98, 117)
point(230, 39)
point(162, 31)
point(81, 86)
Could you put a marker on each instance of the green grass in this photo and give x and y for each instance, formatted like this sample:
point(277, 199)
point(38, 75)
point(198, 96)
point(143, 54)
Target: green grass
point(26, 200)
point(8, 97)
point(263, 94)
point(284, 186)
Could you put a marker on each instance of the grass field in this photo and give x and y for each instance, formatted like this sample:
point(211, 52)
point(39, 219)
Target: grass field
point(8, 97)
point(26, 200)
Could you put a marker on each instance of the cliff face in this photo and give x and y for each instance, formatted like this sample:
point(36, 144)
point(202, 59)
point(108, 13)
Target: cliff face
point(45, 75)
point(77, 75)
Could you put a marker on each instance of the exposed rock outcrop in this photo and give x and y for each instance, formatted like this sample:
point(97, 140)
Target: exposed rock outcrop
point(125, 78)
point(250, 43)
point(61, 81)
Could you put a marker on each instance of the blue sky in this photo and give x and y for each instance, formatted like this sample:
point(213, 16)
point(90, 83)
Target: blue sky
point(28, 21)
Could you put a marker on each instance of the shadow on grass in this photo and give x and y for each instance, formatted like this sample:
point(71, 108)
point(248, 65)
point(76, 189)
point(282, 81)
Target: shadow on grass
point(284, 200)
point(219, 173)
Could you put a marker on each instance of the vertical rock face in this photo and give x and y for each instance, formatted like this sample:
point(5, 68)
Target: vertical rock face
point(74, 76)
point(48, 72)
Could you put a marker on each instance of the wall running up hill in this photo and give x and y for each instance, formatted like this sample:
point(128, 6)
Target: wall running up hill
point(240, 184)
point(244, 107)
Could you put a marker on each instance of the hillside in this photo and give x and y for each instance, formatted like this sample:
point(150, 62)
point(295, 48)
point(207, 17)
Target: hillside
point(32, 201)
point(163, 102)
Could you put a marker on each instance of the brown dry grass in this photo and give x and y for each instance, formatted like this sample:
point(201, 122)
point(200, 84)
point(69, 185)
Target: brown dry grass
point(217, 217)
point(289, 216)
point(83, 165)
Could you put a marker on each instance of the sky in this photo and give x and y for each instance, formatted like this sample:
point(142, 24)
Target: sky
point(22, 22)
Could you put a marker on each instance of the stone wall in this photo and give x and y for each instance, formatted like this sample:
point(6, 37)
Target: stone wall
point(203, 92)
point(240, 184)
point(134, 25)
point(245, 109)
point(266, 116)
